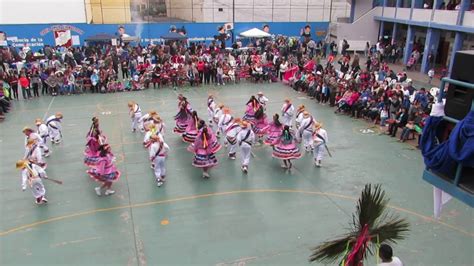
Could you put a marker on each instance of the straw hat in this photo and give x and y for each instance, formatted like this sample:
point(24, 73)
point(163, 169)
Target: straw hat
point(244, 124)
point(38, 121)
point(260, 93)
point(59, 115)
point(20, 164)
point(27, 129)
point(305, 114)
point(318, 125)
point(30, 142)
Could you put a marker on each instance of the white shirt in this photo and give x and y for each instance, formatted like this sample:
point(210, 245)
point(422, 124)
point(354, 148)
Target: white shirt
point(156, 146)
point(322, 132)
point(51, 121)
point(243, 133)
point(43, 130)
point(224, 121)
point(36, 172)
point(217, 114)
point(290, 112)
point(234, 131)
point(33, 154)
point(262, 100)
point(34, 136)
point(395, 262)
point(306, 124)
point(299, 117)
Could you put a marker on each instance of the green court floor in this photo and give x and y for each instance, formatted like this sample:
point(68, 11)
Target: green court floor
point(267, 217)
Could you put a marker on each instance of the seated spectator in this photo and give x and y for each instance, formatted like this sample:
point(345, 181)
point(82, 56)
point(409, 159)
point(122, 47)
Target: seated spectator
point(400, 121)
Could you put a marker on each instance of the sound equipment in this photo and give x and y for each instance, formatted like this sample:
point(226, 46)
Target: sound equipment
point(459, 99)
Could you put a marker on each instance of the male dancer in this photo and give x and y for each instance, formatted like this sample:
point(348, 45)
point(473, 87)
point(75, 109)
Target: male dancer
point(158, 152)
point(245, 139)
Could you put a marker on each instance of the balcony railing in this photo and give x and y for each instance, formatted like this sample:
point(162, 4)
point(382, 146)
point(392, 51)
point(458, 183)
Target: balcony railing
point(448, 17)
point(468, 19)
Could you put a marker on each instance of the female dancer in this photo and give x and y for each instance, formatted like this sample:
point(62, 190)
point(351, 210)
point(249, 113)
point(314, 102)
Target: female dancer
point(204, 148)
point(192, 129)
point(105, 171)
point(274, 130)
point(94, 140)
point(285, 148)
point(252, 106)
point(183, 115)
point(260, 125)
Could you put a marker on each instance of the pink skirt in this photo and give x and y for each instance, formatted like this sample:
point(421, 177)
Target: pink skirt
point(204, 160)
point(286, 151)
point(112, 177)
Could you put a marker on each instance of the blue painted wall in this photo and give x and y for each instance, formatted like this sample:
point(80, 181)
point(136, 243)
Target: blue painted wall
point(37, 35)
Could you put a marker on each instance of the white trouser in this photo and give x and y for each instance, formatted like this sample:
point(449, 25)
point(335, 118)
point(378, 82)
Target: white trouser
point(245, 153)
point(307, 139)
point(210, 114)
point(43, 146)
point(159, 168)
point(286, 119)
point(135, 121)
point(37, 188)
point(54, 134)
point(232, 148)
point(318, 152)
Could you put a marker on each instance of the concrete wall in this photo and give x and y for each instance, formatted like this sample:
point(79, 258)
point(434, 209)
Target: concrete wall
point(365, 28)
point(361, 7)
point(120, 11)
point(44, 11)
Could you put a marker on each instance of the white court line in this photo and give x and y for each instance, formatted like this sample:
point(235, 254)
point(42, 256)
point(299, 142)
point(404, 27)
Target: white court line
point(49, 107)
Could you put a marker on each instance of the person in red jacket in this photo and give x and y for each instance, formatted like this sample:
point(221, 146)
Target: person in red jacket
point(200, 68)
point(25, 86)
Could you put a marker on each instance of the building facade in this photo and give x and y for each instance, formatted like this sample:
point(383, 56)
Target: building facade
point(432, 27)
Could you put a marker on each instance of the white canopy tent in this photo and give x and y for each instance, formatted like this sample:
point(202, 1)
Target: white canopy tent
point(255, 33)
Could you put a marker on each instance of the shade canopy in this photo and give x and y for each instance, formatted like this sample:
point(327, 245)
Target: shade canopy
point(255, 33)
point(173, 36)
point(103, 37)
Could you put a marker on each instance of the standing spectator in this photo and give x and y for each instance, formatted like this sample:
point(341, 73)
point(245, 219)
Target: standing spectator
point(25, 86)
point(200, 67)
point(35, 82)
point(386, 255)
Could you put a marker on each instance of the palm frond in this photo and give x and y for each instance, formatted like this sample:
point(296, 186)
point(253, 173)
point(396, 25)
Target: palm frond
point(393, 230)
point(333, 250)
point(370, 211)
point(370, 207)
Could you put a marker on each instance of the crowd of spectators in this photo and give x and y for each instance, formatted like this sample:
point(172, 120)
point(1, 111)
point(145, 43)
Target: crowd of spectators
point(373, 92)
point(370, 91)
